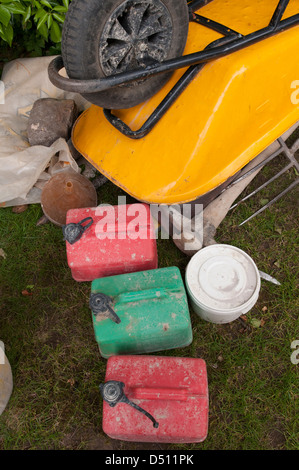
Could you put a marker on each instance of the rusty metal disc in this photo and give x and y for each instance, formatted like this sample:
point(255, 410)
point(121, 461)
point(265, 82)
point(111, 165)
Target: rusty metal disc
point(65, 191)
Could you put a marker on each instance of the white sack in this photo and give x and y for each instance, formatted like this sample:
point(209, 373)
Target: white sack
point(21, 166)
point(22, 170)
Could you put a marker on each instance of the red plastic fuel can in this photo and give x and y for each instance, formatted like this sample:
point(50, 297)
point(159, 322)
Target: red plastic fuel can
point(155, 399)
point(110, 240)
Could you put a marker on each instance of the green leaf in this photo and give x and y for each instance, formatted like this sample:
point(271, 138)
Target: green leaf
point(49, 21)
point(42, 21)
point(40, 14)
point(4, 15)
point(60, 8)
point(263, 202)
point(59, 18)
point(6, 33)
point(39, 18)
point(31, 287)
point(16, 8)
point(44, 31)
point(27, 14)
point(255, 323)
point(47, 4)
point(55, 32)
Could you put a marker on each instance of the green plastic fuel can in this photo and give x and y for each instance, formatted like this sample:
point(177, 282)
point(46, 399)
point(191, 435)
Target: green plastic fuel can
point(140, 312)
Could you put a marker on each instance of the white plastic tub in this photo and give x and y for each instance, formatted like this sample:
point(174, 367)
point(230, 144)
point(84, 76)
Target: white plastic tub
point(223, 283)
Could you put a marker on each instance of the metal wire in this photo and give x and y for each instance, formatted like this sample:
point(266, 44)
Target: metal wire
point(284, 150)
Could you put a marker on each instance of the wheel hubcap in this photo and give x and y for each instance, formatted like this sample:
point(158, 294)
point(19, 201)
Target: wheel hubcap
point(138, 33)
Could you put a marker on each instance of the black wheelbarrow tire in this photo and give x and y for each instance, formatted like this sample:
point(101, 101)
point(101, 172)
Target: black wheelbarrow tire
point(101, 38)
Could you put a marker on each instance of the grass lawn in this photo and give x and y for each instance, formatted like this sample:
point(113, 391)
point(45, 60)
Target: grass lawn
point(57, 368)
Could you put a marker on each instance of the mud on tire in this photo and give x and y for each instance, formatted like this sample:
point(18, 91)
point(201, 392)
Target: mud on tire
point(106, 37)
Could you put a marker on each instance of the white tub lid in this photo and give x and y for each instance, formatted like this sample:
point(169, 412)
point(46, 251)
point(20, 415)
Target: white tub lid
point(222, 277)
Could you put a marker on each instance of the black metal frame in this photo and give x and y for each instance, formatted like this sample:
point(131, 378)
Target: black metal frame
point(232, 41)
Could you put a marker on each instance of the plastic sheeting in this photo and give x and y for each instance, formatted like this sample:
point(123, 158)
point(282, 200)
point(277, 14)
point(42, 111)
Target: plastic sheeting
point(25, 169)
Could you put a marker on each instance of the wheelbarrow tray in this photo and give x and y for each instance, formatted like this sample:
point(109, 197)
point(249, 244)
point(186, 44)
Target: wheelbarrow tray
point(233, 109)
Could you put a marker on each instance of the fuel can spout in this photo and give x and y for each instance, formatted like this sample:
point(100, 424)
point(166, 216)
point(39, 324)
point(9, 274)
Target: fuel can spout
point(101, 304)
point(73, 232)
point(113, 393)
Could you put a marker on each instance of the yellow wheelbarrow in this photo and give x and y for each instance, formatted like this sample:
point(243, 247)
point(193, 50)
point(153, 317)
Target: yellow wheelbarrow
point(184, 94)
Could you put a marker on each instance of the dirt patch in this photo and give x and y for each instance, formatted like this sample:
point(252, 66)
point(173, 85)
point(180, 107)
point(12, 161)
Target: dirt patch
point(87, 438)
point(91, 439)
point(233, 330)
point(276, 438)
